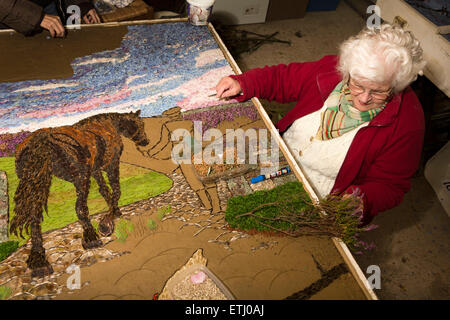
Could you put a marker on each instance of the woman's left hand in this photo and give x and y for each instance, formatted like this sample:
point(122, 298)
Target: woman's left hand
point(91, 17)
point(359, 204)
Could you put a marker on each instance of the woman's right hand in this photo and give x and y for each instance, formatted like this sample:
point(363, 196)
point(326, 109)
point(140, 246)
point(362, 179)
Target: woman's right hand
point(228, 87)
point(53, 25)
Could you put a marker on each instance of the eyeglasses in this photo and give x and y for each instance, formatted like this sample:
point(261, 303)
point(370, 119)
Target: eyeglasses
point(357, 89)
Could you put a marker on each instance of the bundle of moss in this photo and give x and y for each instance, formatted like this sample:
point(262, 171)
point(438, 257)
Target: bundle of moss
point(288, 209)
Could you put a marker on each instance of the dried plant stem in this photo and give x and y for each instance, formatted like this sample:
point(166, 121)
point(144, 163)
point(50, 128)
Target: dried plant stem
point(311, 221)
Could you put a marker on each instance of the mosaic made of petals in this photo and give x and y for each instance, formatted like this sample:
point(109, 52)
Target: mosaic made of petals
point(156, 67)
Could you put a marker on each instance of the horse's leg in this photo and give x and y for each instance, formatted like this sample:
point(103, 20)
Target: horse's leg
point(102, 187)
point(113, 177)
point(36, 260)
point(106, 226)
point(90, 238)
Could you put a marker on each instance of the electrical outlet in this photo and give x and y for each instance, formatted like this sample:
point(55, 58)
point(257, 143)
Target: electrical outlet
point(251, 10)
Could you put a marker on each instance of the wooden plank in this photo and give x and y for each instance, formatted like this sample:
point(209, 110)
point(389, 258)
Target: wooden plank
point(354, 269)
point(340, 245)
point(115, 24)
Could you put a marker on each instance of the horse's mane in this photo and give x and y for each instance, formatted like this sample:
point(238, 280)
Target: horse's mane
point(113, 116)
point(101, 116)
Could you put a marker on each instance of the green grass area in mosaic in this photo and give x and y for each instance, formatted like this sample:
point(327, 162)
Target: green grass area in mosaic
point(136, 184)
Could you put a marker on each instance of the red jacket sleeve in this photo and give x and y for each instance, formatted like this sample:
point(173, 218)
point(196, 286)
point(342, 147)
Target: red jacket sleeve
point(388, 177)
point(282, 83)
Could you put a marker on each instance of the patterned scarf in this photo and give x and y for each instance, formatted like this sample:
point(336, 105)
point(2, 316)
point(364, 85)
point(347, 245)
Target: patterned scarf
point(340, 116)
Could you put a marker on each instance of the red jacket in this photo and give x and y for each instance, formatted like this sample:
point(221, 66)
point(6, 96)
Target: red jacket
point(383, 155)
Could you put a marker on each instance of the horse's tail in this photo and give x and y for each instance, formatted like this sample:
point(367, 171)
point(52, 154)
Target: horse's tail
point(34, 169)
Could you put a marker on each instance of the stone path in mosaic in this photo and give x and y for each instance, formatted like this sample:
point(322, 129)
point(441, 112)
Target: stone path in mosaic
point(63, 246)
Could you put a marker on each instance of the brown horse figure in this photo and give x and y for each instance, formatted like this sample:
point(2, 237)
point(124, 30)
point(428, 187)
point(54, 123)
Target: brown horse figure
point(73, 153)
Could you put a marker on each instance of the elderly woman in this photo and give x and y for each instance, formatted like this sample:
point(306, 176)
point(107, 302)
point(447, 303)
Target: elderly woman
point(357, 128)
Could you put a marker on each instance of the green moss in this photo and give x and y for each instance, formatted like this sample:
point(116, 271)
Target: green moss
point(5, 292)
point(136, 184)
point(95, 224)
point(6, 248)
point(290, 197)
point(151, 224)
point(123, 229)
point(161, 212)
point(288, 209)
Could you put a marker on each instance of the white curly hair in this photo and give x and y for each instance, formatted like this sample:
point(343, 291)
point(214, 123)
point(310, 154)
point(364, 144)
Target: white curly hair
point(383, 54)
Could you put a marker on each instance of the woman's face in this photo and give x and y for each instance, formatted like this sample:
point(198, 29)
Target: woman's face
point(367, 94)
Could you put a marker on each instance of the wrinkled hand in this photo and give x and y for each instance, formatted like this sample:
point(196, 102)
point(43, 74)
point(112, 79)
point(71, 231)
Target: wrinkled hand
point(228, 87)
point(53, 25)
point(91, 17)
point(359, 203)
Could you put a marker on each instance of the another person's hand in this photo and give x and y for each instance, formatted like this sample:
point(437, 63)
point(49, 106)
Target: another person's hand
point(228, 87)
point(53, 25)
point(91, 17)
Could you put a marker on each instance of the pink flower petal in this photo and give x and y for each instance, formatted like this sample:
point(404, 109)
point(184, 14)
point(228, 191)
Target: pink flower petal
point(199, 277)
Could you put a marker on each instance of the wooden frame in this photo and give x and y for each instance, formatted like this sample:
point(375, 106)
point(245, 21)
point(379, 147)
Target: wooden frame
point(114, 24)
